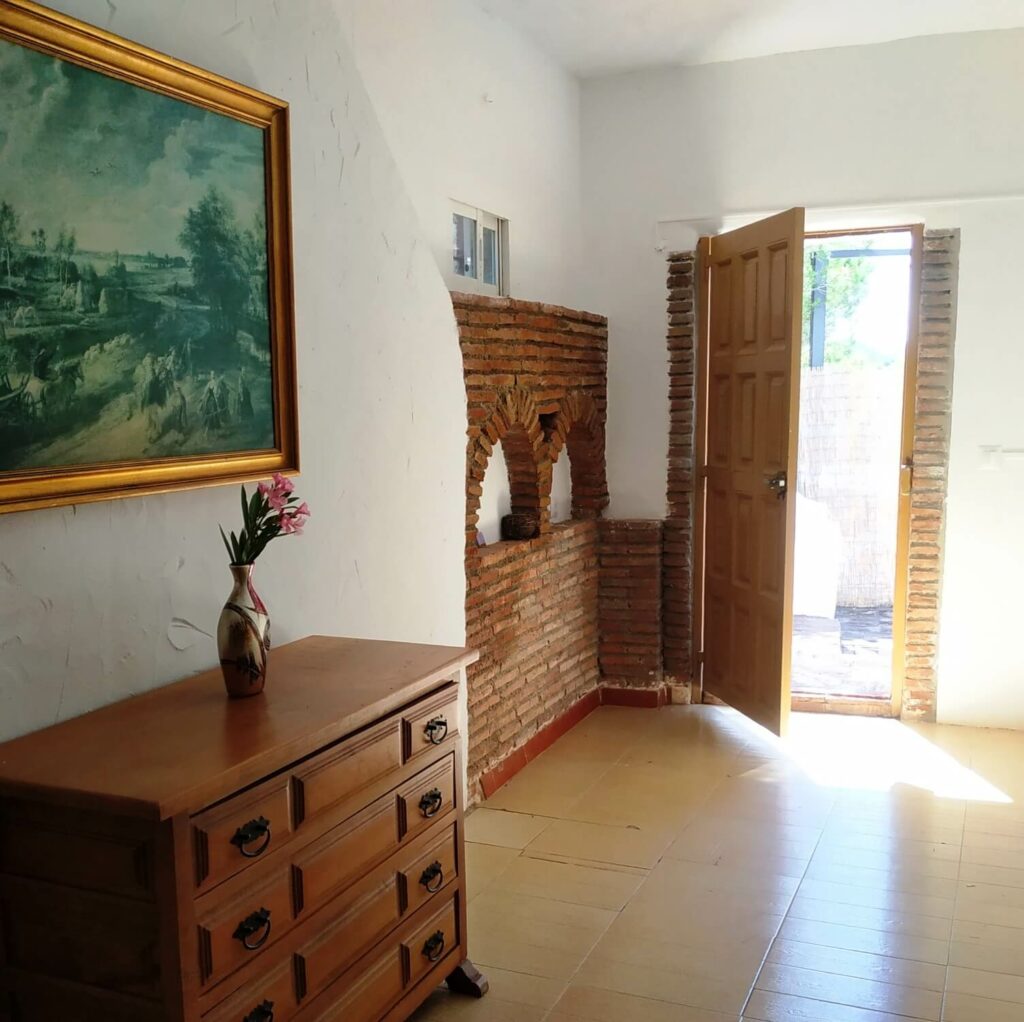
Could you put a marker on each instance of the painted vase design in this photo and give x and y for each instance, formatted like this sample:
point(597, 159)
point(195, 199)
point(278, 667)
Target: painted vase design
point(243, 636)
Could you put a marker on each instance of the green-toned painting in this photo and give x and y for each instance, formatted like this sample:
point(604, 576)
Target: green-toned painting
point(133, 272)
point(135, 294)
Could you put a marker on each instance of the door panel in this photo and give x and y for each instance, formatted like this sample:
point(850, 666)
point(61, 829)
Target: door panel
point(754, 301)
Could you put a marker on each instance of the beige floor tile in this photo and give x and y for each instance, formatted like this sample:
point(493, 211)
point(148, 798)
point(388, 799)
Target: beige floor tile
point(876, 942)
point(968, 1008)
point(547, 789)
point(508, 829)
point(998, 986)
point(969, 955)
point(622, 846)
point(852, 991)
point(685, 875)
point(644, 867)
point(972, 932)
point(442, 1006)
point(1003, 858)
point(895, 879)
point(599, 1005)
point(484, 864)
point(739, 967)
point(870, 918)
point(695, 989)
point(972, 872)
point(602, 886)
point(861, 964)
point(726, 932)
point(863, 858)
point(896, 901)
point(767, 1006)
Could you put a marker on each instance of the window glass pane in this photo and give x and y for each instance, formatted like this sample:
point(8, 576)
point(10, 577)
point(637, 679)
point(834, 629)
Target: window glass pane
point(464, 245)
point(489, 256)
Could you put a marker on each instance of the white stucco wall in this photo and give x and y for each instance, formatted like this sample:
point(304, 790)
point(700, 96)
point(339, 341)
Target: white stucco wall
point(475, 112)
point(108, 599)
point(896, 131)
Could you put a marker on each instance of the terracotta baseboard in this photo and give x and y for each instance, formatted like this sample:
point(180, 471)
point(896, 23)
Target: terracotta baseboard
point(649, 698)
point(493, 779)
point(646, 698)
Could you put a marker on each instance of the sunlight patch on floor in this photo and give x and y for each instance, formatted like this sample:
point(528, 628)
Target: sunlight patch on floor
point(880, 755)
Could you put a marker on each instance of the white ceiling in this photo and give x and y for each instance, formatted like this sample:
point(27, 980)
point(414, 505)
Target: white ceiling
point(596, 37)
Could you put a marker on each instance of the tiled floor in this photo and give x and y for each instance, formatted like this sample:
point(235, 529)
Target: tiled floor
point(680, 865)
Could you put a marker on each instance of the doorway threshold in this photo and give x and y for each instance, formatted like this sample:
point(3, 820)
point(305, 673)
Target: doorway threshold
point(858, 706)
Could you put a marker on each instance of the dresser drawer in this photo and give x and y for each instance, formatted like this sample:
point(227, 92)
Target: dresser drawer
point(430, 872)
point(344, 854)
point(429, 943)
point(430, 794)
point(340, 942)
point(426, 725)
point(366, 996)
point(337, 773)
point(235, 931)
point(272, 998)
point(232, 836)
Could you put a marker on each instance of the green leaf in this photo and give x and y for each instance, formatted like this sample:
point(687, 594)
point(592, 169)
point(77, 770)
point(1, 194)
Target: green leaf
point(227, 546)
point(245, 508)
point(255, 509)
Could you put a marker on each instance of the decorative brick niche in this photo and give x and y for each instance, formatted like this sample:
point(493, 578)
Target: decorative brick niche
point(536, 381)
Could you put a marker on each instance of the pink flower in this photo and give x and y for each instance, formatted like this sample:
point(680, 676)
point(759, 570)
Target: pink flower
point(292, 521)
point(283, 484)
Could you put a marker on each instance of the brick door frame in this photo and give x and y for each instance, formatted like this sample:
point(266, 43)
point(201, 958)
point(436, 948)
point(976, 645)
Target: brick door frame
point(927, 426)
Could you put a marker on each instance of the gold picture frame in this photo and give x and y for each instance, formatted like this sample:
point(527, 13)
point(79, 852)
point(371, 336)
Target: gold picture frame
point(40, 31)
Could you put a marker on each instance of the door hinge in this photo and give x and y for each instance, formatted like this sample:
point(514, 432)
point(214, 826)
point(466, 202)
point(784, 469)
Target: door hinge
point(906, 478)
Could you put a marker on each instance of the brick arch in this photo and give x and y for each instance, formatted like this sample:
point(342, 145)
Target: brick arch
point(578, 428)
point(515, 423)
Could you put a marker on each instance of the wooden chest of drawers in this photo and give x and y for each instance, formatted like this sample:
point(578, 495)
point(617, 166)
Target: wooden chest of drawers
point(295, 856)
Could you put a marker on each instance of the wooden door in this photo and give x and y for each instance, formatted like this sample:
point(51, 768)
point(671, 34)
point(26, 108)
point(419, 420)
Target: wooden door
point(753, 294)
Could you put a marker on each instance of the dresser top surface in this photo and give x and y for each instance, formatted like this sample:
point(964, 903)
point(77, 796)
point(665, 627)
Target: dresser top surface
point(182, 746)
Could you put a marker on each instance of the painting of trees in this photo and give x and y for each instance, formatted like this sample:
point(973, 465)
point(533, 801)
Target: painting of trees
point(214, 243)
point(9, 226)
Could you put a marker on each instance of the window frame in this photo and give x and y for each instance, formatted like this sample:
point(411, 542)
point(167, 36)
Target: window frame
point(483, 219)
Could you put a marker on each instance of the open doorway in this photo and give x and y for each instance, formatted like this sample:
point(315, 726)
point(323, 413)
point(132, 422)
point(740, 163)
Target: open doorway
point(852, 485)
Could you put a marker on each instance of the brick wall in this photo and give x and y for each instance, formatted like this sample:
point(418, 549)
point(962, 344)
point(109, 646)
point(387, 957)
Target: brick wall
point(531, 610)
point(677, 567)
point(536, 380)
point(933, 416)
point(630, 609)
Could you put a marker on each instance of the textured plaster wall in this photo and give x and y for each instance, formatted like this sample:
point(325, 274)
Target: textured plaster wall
point(475, 112)
point(109, 599)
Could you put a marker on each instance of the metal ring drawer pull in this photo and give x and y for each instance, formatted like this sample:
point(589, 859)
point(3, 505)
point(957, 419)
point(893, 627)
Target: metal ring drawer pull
point(430, 804)
point(436, 730)
point(433, 877)
point(261, 1013)
point(250, 832)
point(433, 949)
point(258, 922)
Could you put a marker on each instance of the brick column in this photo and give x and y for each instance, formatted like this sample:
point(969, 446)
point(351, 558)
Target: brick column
point(629, 603)
point(932, 422)
point(678, 530)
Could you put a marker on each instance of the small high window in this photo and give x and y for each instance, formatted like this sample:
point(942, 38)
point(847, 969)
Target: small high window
point(479, 250)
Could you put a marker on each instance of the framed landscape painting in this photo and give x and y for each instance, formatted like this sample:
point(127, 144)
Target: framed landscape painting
point(146, 312)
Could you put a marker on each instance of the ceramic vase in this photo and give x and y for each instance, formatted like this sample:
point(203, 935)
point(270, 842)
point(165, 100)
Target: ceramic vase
point(243, 636)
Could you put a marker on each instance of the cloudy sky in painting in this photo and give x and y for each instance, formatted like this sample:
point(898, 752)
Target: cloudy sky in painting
point(119, 164)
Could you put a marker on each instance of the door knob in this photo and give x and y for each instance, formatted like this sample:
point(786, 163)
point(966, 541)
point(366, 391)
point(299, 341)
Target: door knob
point(777, 484)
